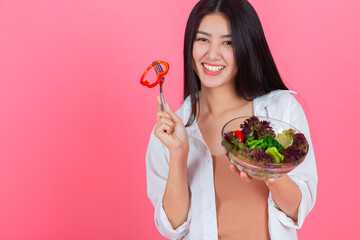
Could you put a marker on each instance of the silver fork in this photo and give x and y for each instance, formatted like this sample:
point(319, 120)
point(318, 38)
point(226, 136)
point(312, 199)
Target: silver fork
point(159, 69)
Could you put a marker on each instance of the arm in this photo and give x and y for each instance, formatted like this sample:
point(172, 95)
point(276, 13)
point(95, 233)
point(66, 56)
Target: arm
point(166, 160)
point(292, 196)
point(304, 176)
point(176, 200)
point(286, 195)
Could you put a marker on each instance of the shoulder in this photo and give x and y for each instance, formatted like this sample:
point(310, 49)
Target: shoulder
point(276, 97)
point(277, 104)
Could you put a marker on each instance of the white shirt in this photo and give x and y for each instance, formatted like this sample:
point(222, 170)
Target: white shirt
point(202, 221)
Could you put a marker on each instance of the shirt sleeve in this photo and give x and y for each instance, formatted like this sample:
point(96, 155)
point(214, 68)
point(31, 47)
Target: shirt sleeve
point(305, 175)
point(157, 169)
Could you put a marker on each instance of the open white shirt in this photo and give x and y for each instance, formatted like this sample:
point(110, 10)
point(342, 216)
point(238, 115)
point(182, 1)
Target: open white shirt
point(202, 221)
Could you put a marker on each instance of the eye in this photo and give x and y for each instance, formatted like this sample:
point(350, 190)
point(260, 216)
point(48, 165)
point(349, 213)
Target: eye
point(227, 43)
point(201, 39)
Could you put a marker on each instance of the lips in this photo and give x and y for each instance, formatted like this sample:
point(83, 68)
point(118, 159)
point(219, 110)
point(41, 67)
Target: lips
point(212, 69)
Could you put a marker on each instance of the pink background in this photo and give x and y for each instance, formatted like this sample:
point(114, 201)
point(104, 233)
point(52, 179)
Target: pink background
point(75, 122)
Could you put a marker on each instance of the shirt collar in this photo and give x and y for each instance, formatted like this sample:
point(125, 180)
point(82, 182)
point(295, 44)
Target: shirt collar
point(260, 104)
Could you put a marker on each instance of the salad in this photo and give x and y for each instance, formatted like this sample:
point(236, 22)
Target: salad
point(256, 140)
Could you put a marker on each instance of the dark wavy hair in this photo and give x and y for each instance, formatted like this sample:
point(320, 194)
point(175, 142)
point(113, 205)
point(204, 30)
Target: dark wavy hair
point(257, 73)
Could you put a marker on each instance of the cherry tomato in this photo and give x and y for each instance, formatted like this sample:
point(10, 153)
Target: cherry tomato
point(239, 135)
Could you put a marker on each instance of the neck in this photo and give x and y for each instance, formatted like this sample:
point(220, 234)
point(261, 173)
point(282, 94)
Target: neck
point(217, 101)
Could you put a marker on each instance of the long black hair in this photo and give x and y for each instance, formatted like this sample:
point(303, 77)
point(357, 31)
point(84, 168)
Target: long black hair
point(257, 73)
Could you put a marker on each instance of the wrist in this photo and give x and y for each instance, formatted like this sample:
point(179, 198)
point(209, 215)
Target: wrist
point(181, 151)
point(179, 156)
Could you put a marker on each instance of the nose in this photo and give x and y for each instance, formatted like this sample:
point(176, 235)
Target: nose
point(214, 51)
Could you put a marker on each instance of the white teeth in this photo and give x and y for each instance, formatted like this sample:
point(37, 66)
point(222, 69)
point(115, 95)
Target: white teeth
point(213, 68)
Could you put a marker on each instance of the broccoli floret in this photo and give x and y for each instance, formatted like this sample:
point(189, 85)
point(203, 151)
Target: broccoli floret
point(264, 143)
point(270, 141)
point(278, 158)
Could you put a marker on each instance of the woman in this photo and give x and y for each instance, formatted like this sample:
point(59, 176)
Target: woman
point(229, 72)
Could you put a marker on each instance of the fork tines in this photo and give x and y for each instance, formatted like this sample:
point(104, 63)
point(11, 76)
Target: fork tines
point(158, 68)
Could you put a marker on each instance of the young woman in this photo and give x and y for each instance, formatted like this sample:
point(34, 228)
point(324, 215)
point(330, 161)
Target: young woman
point(196, 192)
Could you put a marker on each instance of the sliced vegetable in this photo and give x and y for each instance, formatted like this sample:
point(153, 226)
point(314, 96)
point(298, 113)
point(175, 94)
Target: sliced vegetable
point(159, 75)
point(257, 144)
point(278, 158)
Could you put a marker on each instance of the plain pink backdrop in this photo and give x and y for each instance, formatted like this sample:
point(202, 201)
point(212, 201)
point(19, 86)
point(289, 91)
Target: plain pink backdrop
point(75, 122)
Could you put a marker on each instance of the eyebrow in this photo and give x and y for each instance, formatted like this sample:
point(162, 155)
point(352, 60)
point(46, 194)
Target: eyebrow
point(208, 34)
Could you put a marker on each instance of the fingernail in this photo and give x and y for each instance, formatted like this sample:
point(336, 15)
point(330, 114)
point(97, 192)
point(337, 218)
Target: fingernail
point(243, 177)
point(270, 181)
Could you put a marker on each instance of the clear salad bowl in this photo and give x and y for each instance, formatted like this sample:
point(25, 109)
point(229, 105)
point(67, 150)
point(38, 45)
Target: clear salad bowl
point(258, 169)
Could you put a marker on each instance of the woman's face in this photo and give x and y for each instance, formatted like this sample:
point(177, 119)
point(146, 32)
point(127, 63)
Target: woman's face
point(213, 54)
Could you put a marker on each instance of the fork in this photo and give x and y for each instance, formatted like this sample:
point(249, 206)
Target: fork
point(159, 69)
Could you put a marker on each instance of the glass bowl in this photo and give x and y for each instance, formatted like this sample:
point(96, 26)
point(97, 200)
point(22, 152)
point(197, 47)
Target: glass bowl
point(255, 169)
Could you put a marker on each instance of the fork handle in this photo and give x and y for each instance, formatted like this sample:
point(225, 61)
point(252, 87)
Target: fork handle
point(162, 98)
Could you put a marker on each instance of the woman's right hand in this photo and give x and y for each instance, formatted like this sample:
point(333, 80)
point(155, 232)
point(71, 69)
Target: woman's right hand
point(171, 131)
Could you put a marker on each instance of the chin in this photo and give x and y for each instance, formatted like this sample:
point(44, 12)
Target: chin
point(212, 84)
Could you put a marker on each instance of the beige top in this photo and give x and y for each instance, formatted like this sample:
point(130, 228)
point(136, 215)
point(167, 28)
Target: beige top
point(241, 207)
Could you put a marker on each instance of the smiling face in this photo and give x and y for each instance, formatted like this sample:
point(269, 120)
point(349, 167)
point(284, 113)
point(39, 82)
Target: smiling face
point(213, 54)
